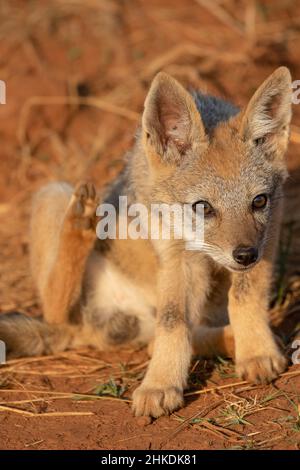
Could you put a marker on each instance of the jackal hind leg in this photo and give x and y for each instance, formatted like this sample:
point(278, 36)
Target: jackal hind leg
point(61, 247)
point(213, 341)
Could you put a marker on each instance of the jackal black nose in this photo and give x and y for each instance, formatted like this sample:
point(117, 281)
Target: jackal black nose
point(245, 255)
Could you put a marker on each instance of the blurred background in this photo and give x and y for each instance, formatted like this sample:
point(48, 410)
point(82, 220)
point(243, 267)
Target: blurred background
point(77, 72)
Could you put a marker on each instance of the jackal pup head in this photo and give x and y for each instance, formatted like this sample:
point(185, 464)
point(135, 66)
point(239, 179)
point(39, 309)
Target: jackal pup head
point(235, 169)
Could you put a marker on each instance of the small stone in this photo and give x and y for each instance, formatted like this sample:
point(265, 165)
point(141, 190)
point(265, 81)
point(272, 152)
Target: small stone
point(143, 421)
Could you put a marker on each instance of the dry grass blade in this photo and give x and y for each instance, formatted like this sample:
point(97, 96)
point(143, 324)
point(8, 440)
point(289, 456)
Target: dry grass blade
point(52, 414)
point(214, 389)
point(236, 384)
point(34, 400)
point(268, 441)
point(222, 15)
point(139, 367)
point(187, 421)
point(236, 412)
point(189, 49)
point(66, 373)
point(83, 396)
point(250, 21)
point(78, 354)
point(172, 55)
point(223, 433)
point(35, 443)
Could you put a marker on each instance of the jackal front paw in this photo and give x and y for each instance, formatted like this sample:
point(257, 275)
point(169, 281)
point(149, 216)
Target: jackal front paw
point(82, 210)
point(261, 369)
point(156, 402)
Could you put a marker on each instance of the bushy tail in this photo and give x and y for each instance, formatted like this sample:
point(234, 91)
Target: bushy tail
point(26, 336)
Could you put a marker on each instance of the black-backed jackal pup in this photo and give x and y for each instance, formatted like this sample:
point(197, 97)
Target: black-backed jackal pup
point(190, 149)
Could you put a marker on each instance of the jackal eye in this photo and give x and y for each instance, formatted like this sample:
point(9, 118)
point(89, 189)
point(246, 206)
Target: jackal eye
point(208, 210)
point(259, 141)
point(259, 202)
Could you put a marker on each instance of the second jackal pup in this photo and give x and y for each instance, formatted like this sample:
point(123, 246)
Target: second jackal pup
point(191, 148)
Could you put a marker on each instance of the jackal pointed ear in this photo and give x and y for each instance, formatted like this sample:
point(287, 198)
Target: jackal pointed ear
point(267, 117)
point(172, 125)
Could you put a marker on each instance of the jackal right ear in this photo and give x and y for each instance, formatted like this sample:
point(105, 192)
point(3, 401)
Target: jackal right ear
point(172, 124)
point(267, 117)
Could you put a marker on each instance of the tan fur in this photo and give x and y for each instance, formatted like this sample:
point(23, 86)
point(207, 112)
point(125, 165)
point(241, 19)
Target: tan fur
point(155, 291)
point(59, 250)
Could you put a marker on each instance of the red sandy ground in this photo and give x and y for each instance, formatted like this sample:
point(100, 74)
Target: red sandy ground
point(112, 49)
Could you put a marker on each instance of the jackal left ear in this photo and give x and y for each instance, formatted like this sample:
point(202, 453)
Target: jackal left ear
point(267, 117)
point(172, 125)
